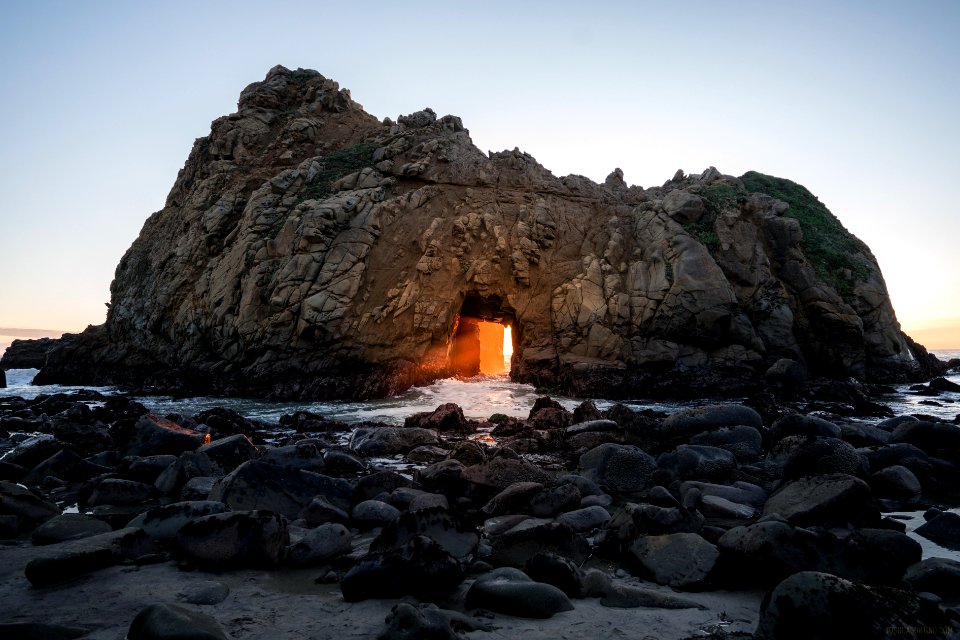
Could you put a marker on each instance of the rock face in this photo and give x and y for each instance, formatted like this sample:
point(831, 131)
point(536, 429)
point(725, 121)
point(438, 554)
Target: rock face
point(308, 250)
point(26, 354)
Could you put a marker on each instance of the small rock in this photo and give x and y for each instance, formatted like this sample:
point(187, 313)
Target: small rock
point(205, 592)
point(173, 622)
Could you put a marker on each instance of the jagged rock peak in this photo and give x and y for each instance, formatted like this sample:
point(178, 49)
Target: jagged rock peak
point(309, 250)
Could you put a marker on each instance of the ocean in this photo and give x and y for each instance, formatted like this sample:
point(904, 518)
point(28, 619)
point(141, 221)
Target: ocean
point(479, 398)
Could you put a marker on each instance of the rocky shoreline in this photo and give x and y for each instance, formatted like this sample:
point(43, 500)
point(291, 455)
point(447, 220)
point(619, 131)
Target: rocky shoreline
point(763, 519)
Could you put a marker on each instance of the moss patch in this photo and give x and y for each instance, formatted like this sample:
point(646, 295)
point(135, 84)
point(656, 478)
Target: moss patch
point(336, 165)
point(718, 198)
point(826, 243)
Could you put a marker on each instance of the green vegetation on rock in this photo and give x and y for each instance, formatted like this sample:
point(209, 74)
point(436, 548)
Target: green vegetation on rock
point(827, 244)
point(718, 198)
point(338, 164)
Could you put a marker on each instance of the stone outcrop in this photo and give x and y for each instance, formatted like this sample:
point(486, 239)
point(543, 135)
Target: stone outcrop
point(26, 354)
point(309, 250)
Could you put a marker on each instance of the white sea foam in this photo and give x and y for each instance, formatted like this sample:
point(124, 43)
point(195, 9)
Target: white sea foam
point(479, 398)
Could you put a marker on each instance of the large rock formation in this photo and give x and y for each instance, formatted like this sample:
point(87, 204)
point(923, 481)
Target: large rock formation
point(307, 249)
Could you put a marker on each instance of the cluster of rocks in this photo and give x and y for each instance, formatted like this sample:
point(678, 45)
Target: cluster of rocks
point(706, 498)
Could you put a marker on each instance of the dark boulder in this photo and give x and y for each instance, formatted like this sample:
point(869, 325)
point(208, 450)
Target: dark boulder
point(937, 439)
point(153, 435)
point(420, 568)
point(68, 526)
point(622, 469)
point(437, 523)
point(321, 511)
point(878, 556)
point(822, 456)
point(936, 575)
point(173, 622)
point(185, 468)
point(305, 456)
point(373, 485)
point(258, 485)
point(388, 441)
point(679, 560)
point(828, 500)
point(745, 443)
point(681, 425)
point(342, 463)
point(116, 491)
point(373, 513)
point(235, 540)
point(447, 418)
point(320, 545)
point(69, 560)
point(556, 570)
point(510, 591)
point(163, 522)
point(468, 452)
point(65, 465)
point(634, 520)
point(146, 468)
point(764, 553)
point(33, 450)
point(514, 499)
point(428, 622)
point(799, 425)
point(944, 529)
point(896, 482)
point(840, 609)
point(697, 462)
point(500, 472)
point(517, 545)
point(221, 423)
point(551, 501)
point(586, 519)
point(16, 500)
point(942, 384)
point(230, 452)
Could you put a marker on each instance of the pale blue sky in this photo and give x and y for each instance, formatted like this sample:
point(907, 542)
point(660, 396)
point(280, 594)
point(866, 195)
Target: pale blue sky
point(858, 101)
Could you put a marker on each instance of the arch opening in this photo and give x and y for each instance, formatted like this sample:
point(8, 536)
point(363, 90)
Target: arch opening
point(483, 338)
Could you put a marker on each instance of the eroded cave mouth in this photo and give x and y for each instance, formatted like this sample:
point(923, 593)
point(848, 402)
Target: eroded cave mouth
point(483, 339)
